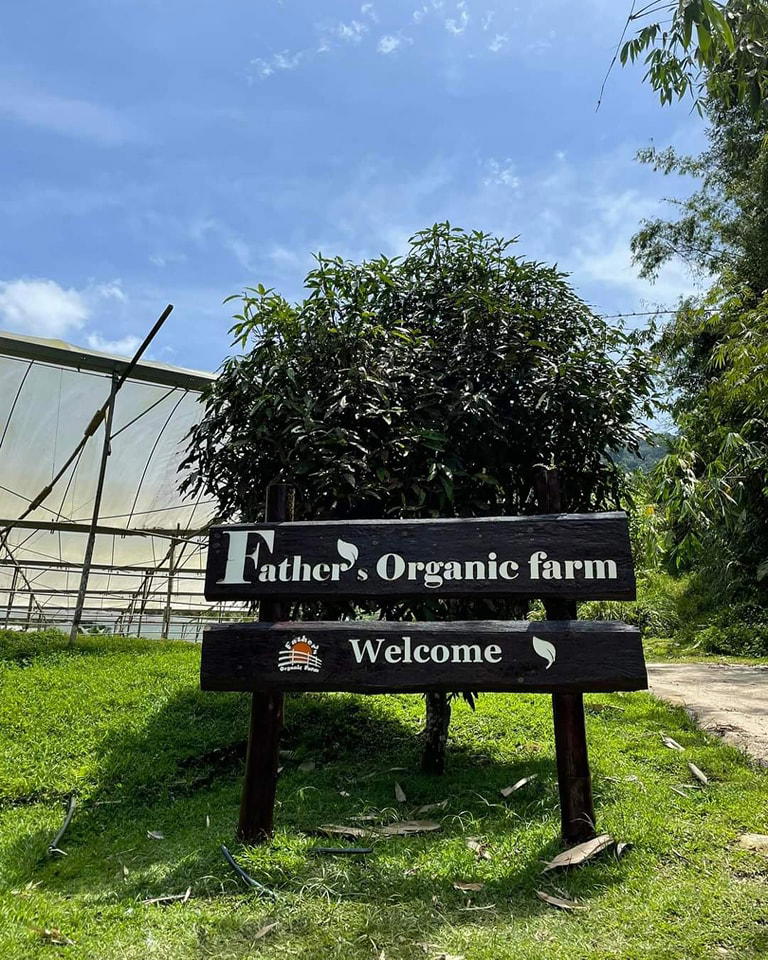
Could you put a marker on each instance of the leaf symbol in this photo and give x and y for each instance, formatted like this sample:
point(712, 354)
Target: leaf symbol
point(545, 650)
point(348, 552)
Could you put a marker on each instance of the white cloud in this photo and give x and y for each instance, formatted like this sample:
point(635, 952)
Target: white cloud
point(124, 347)
point(458, 24)
point(278, 61)
point(485, 23)
point(41, 308)
point(71, 117)
point(368, 10)
point(388, 44)
point(352, 32)
point(501, 173)
point(499, 42)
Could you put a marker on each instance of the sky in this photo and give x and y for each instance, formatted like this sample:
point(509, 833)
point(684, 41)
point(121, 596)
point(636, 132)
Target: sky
point(155, 151)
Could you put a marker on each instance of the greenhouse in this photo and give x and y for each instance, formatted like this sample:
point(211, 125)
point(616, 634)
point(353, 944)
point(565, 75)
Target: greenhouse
point(66, 492)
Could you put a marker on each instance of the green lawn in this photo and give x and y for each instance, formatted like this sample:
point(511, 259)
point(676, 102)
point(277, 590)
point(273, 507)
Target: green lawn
point(123, 724)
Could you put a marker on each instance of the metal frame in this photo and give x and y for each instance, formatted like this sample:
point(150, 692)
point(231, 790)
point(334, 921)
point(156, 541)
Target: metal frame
point(165, 596)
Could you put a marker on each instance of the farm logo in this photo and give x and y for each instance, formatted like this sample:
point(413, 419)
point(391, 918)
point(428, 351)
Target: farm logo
point(299, 654)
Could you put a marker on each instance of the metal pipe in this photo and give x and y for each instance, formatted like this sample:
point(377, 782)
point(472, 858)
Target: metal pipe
point(105, 451)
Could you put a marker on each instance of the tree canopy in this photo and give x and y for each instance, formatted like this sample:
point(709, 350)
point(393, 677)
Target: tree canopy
point(705, 49)
point(427, 385)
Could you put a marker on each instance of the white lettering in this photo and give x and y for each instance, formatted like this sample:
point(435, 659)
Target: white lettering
point(493, 653)
point(366, 650)
point(466, 653)
point(535, 562)
point(234, 572)
point(600, 569)
point(398, 566)
point(393, 654)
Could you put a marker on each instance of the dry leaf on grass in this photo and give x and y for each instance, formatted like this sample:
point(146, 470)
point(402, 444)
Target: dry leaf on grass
point(307, 766)
point(508, 791)
point(699, 774)
point(342, 830)
point(468, 887)
point(559, 902)
point(265, 930)
point(405, 827)
point(621, 848)
point(171, 898)
point(680, 792)
point(53, 936)
point(756, 842)
point(580, 853)
point(207, 822)
point(671, 743)
point(429, 807)
point(155, 835)
point(399, 793)
point(479, 849)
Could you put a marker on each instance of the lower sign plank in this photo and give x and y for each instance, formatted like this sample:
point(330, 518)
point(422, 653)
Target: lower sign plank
point(383, 657)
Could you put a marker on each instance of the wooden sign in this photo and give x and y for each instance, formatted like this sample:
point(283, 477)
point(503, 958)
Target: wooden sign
point(571, 556)
point(382, 657)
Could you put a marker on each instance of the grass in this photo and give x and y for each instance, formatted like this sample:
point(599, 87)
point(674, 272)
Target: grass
point(122, 724)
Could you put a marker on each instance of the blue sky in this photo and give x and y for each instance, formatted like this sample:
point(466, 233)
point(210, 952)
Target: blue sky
point(154, 151)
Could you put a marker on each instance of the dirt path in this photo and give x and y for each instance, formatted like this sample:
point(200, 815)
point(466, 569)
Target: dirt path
point(728, 699)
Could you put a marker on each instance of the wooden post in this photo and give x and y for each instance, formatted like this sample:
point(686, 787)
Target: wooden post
point(257, 804)
point(577, 812)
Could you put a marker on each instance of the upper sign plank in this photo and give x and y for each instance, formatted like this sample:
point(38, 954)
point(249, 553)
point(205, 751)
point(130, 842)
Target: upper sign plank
point(573, 556)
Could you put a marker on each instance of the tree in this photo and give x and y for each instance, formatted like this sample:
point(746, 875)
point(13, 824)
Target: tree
point(711, 488)
point(421, 386)
point(703, 48)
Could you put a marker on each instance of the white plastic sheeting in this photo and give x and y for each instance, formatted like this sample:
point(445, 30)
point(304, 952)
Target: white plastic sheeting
point(45, 408)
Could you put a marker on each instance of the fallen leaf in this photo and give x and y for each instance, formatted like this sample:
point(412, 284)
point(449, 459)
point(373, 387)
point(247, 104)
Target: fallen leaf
point(399, 793)
point(207, 822)
point(54, 936)
point(342, 830)
point(580, 853)
point(559, 902)
point(599, 707)
point(757, 842)
point(473, 887)
point(125, 870)
point(699, 774)
point(682, 793)
point(171, 898)
point(343, 793)
point(307, 766)
point(265, 930)
point(405, 827)
point(155, 835)
point(397, 769)
point(671, 743)
point(479, 849)
point(507, 791)
point(429, 807)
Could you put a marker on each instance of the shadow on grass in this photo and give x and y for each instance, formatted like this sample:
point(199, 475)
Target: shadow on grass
point(179, 775)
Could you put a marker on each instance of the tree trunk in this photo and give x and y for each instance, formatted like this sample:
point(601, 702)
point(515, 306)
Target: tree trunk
point(436, 732)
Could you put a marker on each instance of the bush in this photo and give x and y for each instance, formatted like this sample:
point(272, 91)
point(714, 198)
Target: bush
point(736, 639)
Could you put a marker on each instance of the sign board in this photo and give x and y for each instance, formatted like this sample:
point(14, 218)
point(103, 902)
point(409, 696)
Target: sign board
point(383, 657)
point(571, 556)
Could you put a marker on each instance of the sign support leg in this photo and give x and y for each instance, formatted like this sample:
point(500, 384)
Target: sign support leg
point(577, 812)
point(257, 804)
